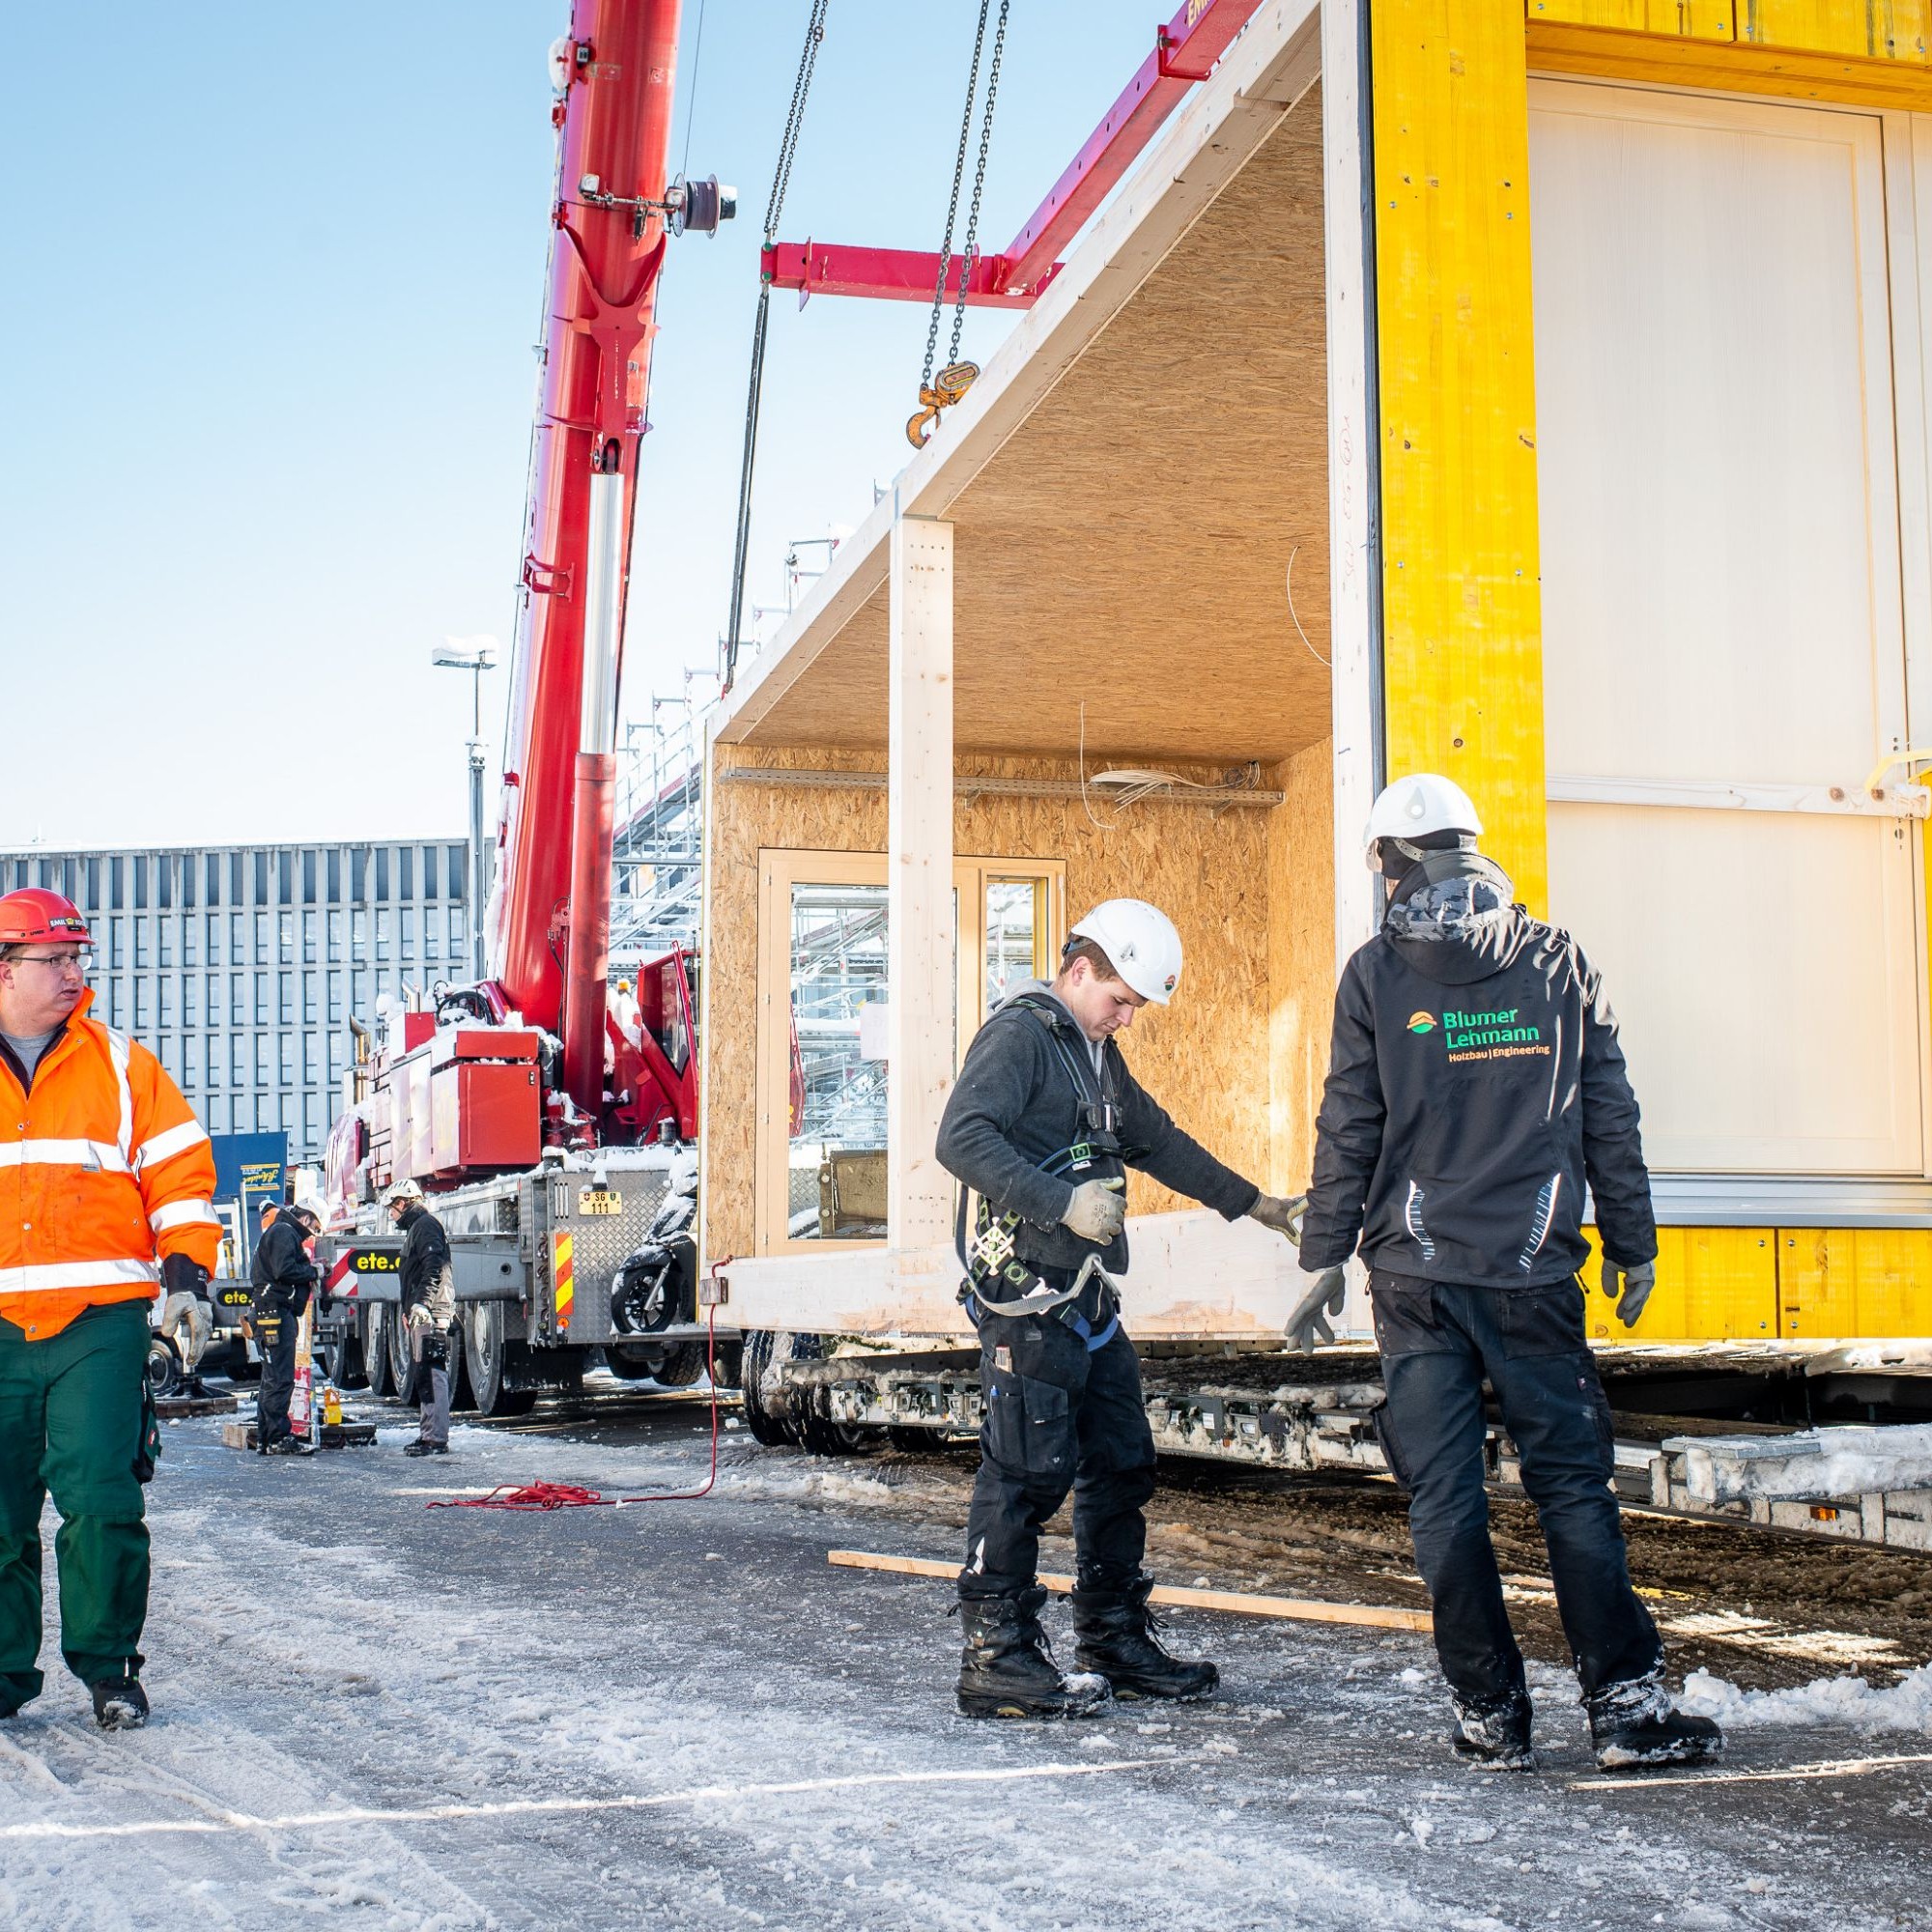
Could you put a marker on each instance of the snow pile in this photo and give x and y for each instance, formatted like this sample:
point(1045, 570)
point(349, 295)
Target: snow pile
point(1818, 1463)
point(1848, 1701)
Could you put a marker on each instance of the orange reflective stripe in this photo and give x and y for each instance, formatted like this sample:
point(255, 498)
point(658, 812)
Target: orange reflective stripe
point(563, 1277)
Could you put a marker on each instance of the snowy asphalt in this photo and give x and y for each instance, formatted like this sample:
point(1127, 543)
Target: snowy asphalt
point(371, 1713)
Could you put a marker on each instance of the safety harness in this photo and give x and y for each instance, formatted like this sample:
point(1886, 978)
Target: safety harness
point(987, 1253)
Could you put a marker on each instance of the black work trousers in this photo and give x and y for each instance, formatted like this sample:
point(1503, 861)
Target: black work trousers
point(275, 1324)
point(1439, 1341)
point(1056, 1416)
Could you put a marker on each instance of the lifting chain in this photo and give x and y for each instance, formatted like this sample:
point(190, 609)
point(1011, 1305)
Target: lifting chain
point(942, 391)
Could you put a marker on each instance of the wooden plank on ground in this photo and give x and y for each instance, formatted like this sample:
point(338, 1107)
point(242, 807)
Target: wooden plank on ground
point(1298, 1609)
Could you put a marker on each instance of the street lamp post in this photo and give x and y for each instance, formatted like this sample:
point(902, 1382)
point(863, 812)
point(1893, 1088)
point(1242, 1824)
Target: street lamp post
point(476, 663)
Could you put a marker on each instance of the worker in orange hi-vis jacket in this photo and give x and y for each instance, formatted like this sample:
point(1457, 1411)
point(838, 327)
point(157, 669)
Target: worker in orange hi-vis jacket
point(106, 1181)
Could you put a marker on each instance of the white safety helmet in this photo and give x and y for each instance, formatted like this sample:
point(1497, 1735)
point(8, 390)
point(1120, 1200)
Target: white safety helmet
point(1140, 942)
point(1413, 807)
point(402, 1193)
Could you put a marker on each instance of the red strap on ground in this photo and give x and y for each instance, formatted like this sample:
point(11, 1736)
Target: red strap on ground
point(530, 1496)
point(535, 1496)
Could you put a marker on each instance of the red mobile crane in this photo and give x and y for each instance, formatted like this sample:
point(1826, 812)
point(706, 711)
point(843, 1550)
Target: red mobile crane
point(520, 1100)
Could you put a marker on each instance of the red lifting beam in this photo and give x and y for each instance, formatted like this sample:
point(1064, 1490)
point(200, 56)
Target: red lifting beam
point(893, 274)
point(1185, 52)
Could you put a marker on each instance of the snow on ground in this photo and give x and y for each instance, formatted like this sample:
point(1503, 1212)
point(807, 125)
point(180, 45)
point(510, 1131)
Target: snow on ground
point(1850, 1701)
point(372, 1715)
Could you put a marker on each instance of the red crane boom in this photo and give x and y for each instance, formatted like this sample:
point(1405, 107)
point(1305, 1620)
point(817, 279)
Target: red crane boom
point(615, 74)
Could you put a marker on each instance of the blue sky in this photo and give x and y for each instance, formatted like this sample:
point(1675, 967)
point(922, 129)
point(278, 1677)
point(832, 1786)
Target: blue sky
point(275, 278)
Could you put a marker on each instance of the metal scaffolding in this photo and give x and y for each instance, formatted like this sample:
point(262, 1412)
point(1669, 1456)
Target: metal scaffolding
point(658, 849)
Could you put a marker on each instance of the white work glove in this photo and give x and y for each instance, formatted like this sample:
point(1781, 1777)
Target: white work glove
point(1283, 1216)
point(1097, 1212)
point(1307, 1322)
point(1631, 1285)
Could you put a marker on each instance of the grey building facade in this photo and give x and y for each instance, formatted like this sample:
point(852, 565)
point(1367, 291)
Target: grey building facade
point(240, 965)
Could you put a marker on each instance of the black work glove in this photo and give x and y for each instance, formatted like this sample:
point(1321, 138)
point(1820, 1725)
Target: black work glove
point(183, 1274)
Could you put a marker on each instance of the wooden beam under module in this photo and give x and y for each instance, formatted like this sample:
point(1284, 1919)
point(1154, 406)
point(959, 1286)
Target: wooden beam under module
point(1297, 1610)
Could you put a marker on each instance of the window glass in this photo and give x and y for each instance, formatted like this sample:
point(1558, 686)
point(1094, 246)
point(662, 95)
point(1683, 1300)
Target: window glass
point(309, 938)
point(237, 999)
point(116, 940)
point(285, 1004)
point(261, 938)
point(1015, 929)
point(359, 934)
point(311, 994)
point(382, 932)
point(190, 933)
point(238, 938)
point(262, 998)
point(143, 940)
point(335, 999)
point(191, 1058)
point(140, 1005)
point(285, 935)
point(408, 916)
point(165, 1011)
point(836, 1181)
point(335, 934)
point(456, 932)
point(287, 1057)
point(238, 1060)
point(190, 999)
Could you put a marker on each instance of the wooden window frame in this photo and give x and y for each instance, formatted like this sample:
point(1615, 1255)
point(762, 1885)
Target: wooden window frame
point(781, 869)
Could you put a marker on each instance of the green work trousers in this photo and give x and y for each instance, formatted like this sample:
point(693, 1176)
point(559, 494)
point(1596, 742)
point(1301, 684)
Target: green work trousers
point(72, 1421)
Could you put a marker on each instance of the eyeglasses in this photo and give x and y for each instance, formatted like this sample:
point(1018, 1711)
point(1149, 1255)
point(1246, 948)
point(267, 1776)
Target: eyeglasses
point(82, 961)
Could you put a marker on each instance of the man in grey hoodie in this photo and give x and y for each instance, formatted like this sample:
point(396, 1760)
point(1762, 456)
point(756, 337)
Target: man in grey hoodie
point(1042, 1125)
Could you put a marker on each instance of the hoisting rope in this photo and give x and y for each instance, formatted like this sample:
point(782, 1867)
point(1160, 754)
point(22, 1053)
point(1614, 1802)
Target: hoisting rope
point(940, 392)
point(542, 1496)
point(808, 60)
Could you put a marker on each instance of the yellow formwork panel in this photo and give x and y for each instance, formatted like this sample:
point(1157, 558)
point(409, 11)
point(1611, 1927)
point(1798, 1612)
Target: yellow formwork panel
point(1461, 614)
point(1693, 19)
point(1874, 29)
point(1713, 1285)
point(1841, 1283)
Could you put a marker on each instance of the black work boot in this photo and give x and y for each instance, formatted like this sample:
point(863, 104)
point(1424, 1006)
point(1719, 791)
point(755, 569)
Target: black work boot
point(1115, 1633)
point(1007, 1670)
point(1492, 1734)
point(1634, 1724)
point(120, 1704)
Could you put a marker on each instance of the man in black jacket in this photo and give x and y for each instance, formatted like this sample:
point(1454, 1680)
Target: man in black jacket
point(427, 1289)
point(1475, 1084)
point(1042, 1125)
point(282, 1278)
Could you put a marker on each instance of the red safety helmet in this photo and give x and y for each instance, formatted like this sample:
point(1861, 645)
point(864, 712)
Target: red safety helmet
point(33, 914)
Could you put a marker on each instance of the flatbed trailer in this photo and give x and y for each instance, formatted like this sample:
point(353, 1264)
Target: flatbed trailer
point(1676, 1412)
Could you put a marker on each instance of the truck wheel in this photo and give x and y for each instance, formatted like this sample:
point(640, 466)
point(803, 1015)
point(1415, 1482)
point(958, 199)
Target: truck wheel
point(485, 1359)
point(374, 1322)
point(766, 1426)
point(397, 1332)
point(165, 1369)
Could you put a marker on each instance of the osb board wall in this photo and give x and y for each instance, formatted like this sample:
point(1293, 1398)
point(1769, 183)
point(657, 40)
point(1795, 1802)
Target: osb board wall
point(742, 818)
point(1301, 959)
point(1234, 1059)
point(1149, 504)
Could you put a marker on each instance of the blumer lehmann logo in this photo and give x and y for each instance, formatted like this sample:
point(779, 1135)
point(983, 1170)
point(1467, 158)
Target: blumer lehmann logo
point(1501, 1028)
point(1422, 1022)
